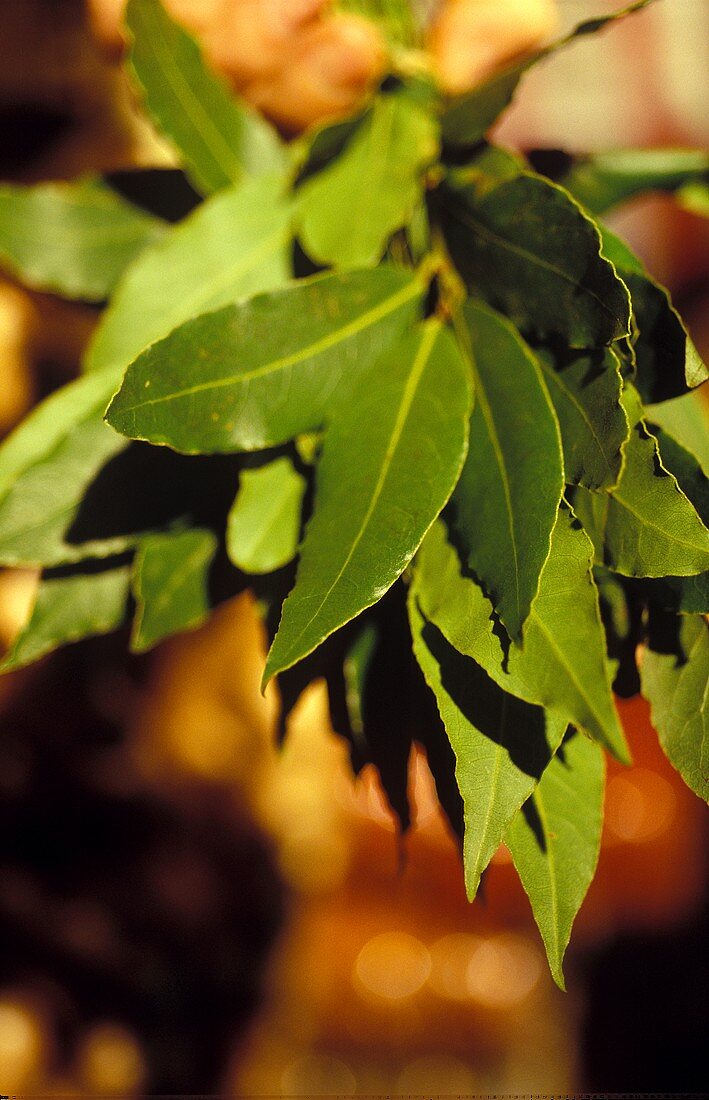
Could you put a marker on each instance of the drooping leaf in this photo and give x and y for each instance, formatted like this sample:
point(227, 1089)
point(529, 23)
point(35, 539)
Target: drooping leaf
point(74, 239)
point(233, 246)
point(72, 603)
point(220, 139)
point(602, 180)
point(501, 743)
point(676, 684)
point(257, 373)
point(555, 841)
point(170, 584)
point(349, 210)
point(505, 504)
point(666, 361)
point(263, 526)
point(694, 197)
point(646, 527)
point(683, 594)
point(525, 246)
point(469, 116)
point(585, 389)
point(389, 464)
point(561, 665)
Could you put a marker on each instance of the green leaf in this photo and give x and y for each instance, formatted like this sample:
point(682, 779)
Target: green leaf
point(390, 461)
point(506, 502)
point(350, 209)
point(234, 245)
point(70, 605)
point(502, 745)
point(220, 139)
point(676, 686)
point(687, 419)
point(397, 18)
point(666, 361)
point(74, 239)
point(52, 423)
point(555, 842)
point(263, 527)
point(561, 665)
point(46, 467)
point(525, 246)
point(694, 197)
point(646, 527)
point(170, 584)
point(585, 389)
point(469, 116)
point(602, 180)
point(257, 373)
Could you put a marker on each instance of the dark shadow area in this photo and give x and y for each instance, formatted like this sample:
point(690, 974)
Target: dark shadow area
point(517, 726)
point(165, 192)
point(119, 901)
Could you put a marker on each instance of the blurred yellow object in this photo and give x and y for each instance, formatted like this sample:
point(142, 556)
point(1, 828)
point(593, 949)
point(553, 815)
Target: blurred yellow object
point(17, 320)
point(393, 965)
point(17, 591)
point(23, 1045)
point(110, 1061)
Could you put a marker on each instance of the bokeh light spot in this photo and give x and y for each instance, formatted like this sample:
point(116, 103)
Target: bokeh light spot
point(503, 971)
point(639, 806)
point(393, 965)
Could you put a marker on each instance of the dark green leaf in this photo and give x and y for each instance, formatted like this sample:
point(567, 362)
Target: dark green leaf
point(561, 665)
point(263, 527)
point(220, 139)
point(676, 685)
point(389, 464)
point(526, 247)
point(666, 361)
point(233, 246)
point(255, 374)
point(601, 180)
point(72, 604)
point(75, 239)
point(555, 841)
point(506, 502)
point(469, 116)
point(170, 584)
point(349, 210)
point(585, 389)
point(646, 527)
point(501, 744)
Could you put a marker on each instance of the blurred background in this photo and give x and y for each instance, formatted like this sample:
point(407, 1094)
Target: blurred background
point(183, 907)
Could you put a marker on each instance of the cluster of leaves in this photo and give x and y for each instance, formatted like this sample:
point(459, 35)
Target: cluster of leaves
point(394, 379)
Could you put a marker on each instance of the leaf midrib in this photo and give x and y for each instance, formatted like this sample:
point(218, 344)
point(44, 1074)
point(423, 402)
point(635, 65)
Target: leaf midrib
point(332, 339)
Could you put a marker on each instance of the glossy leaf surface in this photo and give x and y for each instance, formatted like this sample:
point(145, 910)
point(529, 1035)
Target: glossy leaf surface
point(505, 504)
point(263, 527)
point(646, 527)
point(666, 360)
point(220, 139)
point(74, 239)
point(170, 584)
point(585, 389)
point(234, 245)
point(348, 211)
point(501, 743)
point(390, 461)
point(526, 247)
point(70, 605)
point(555, 841)
point(258, 373)
point(561, 664)
point(677, 687)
